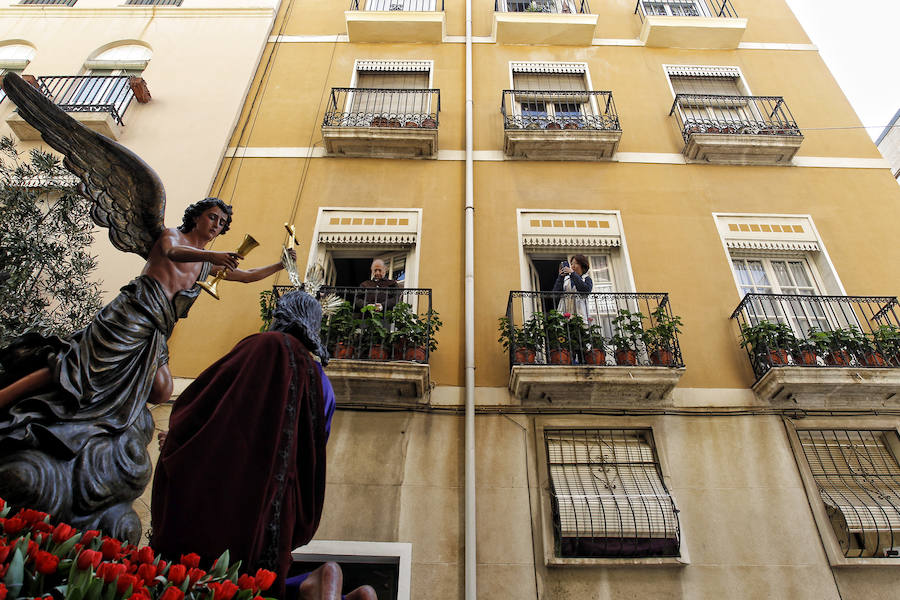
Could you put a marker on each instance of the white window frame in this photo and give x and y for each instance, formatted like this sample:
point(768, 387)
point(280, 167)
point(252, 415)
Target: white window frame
point(542, 525)
point(700, 7)
point(389, 65)
point(829, 540)
point(534, 66)
point(319, 253)
point(342, 551)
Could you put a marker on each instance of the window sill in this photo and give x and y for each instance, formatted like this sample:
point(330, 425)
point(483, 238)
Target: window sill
point(381, 142)
point(561, 144)
point(741, 148)
point(358, 382)
point(657, 561)
point(830, 387)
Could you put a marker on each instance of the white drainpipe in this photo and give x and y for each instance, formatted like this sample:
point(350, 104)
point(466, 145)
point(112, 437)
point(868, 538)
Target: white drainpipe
point(469, 312)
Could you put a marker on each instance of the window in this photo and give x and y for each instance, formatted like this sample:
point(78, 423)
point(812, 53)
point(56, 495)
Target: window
point(539, 6)
point(105, 85)
point(14, 58)
point(700, 88)
point(391, 93)
point(607, 495)
point(550, 94)
point(858, 481)
point(153, 2)
point(672, 8)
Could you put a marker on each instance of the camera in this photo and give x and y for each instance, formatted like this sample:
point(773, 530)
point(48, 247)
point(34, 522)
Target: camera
point(563, 264)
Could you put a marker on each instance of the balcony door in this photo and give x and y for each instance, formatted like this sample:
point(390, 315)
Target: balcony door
point(673, 8)
point(400, 5)
point(721, 111)
point(369, 106)
point(538, 104)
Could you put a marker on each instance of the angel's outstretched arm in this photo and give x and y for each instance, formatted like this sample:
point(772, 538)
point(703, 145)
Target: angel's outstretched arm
point(178, 252)
point(251, 275)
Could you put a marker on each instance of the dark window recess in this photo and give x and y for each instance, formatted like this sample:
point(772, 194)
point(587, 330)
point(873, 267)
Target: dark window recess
point(383, 577)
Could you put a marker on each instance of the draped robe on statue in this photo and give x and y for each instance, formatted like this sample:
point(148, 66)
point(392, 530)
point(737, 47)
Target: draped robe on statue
point(243, 466)
point(78, 449)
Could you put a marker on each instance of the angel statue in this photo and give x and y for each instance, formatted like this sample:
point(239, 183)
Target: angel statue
point(74, 422)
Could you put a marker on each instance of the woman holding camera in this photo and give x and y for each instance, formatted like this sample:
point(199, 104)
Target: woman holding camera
point(574, 278)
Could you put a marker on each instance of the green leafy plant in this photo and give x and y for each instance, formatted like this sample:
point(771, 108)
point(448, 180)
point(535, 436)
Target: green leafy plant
point(45, 238)
point(341, 326)
point(267, 302)
point(629, 329)
point(564, 330)
point(412, 330)
point(662, 335)
point(766, 336)
point(887, 337)
point(373, 325)
point(593, 336)
point(529, 336)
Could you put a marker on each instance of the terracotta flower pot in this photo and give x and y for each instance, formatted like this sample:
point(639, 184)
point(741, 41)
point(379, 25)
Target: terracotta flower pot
point(553, 125)
point(662, 357)
point(838, 358)
point(713, 129)
point(523, 356)
point(410, 124)
point(873, 359)
point(416, 353)
point(626, 357)
point(560, 356)
point(393, 123)
point(806, 357)
point(595, 357)
point(343, 350)
point(377, 352)
point(429, 123)
point(778, 357)
point(379, 122)
point(570, 125)
point(398, 349)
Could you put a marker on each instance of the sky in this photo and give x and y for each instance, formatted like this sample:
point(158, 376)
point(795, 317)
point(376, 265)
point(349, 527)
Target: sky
point(859, 40)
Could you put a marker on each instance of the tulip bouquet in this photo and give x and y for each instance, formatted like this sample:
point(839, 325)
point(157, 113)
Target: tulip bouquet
point(56, 562)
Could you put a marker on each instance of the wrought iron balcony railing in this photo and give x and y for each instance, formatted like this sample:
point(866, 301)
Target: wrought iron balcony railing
point(685, 8)
point(153, 2)
point(601, 329)
point(543, 6)
point(397, 5)
point(756, 115)
point(819, 331)
point(48, 2)
point(551, 109)
point(89, 93)
point(379, 324)
point(374, 107)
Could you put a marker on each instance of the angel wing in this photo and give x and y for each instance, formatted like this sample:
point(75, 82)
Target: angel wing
point(127, 195)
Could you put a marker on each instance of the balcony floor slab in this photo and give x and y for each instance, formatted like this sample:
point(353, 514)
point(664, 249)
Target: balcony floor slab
point(741, 148)
point(365, 382)
point(395, 26)
point(693, 32)
point(101, 122)
point(592, 386)
point(830, 387)
point(544, 28)
point(561, 144)
point(381, 142)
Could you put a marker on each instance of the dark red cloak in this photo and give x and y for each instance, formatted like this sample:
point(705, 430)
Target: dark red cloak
point(243, 467)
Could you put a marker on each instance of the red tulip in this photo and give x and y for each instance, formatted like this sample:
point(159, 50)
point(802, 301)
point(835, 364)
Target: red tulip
point(177, 573)
point(223, 591)
point(46, 563)
point(88, 559)
point(246, 582)
point(147, 572)
point(190, 560)
point(4, 553)
point(161, 566)
point(3, 589)
point(127, 581)
point(42, 527)
point(145, 555)
point(110, 548)
point(32, 516)
point(62, 532)
point(195, 574)
point(13, 525)
point(89, 536)
point(109, 571)
point(172, 593)
point(264, 579)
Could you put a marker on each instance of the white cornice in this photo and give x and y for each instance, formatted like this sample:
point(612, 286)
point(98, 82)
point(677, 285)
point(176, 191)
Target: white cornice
point(126, 12)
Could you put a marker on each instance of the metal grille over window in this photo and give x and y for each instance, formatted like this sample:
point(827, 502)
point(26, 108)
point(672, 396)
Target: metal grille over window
point(607, 495)
point(556, 100)
point(859, 481)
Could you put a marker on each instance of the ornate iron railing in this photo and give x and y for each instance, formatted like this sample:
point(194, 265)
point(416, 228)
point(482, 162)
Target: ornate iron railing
point(397, 5)
point(756, 115)
point(819, 331)
point(685, 8)
point(543, 6)
point(48, 2)
point(379, 324)
point(551, 109)
point(153, 2)
point(89, 93)
point(374, 107)
point(600, 329)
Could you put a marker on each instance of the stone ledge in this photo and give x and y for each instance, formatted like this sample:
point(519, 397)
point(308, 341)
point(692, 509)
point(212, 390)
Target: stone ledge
point(370, 382)
point(561, 144)
point(395, 26)
point(742, 148)
point(566, 29)
point(830, 387)
point(101, 122)
point(588, 387)
point(693, 32)
point(381, 142)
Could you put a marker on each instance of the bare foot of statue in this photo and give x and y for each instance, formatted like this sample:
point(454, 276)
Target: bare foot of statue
point(30, 383)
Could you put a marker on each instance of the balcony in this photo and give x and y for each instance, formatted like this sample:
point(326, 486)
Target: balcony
point(736, 130)
point(583, 350)
point(699, 24)
point(822, 351)
point(554, 22)
point(380, 341)
point(559, 125)
point(381, 123)
point(395, 21)
point(97, 102)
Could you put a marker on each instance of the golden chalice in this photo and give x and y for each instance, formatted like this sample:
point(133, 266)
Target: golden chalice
point(210, 286)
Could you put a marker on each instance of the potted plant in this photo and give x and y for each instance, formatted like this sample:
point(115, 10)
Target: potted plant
point(429, 123)
point(866, 349)
point(594, 343)
point(404, 323)
point(565, 332)
point(805, 350)
point(629, 327)
point(521, 342)
point(887, 339)
point(845, 343)
point(769, 341)
point(374, 332)
point(337, 332)
point(414, 334)
point(660, 338)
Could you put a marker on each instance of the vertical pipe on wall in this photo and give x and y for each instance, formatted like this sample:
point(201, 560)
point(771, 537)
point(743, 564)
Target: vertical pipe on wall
point(469, 314)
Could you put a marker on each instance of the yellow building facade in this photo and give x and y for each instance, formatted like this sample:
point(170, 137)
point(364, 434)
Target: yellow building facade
point(695, 152)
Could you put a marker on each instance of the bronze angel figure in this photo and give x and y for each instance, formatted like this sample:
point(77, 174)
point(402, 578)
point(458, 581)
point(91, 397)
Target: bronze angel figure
point(74, 422)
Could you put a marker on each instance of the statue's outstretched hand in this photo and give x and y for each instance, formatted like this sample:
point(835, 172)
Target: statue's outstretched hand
point(161, 436)
point(229, 260)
